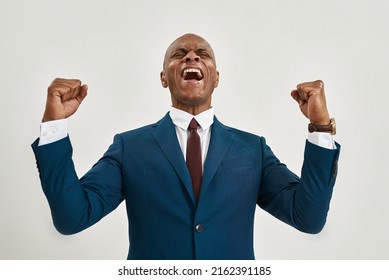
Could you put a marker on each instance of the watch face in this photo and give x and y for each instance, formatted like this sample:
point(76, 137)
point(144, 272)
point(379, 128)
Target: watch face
point(333, 126)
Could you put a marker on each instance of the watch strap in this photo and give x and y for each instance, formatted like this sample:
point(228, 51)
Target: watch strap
point(323, 128)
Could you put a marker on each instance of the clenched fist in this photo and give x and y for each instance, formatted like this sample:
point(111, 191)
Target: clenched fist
point(312, 101)
point(64, 96)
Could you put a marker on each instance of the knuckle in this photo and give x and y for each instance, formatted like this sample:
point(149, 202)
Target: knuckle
point(77, 82)
point(319, 83)
point(74, 84)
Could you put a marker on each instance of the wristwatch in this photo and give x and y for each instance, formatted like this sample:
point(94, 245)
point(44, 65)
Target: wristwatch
point(331, 127)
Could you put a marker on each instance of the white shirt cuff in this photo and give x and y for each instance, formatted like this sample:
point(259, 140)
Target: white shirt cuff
point(322, 139)
point(53, 131)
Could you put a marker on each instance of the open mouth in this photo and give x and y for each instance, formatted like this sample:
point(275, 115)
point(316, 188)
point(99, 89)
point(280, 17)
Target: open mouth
point(192, 74)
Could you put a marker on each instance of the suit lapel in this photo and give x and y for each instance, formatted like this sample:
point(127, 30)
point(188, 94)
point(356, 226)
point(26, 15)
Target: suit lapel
point(221, 139)
point(165, 135)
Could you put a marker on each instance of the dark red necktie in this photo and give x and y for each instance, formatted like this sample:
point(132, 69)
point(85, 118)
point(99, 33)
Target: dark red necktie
point(193, 157)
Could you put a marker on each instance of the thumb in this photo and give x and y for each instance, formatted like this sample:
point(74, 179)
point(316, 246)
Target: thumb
point(83, 93)
point(296, 96)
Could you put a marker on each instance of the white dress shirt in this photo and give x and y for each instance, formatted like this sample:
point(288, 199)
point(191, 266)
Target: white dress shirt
point(181, 120)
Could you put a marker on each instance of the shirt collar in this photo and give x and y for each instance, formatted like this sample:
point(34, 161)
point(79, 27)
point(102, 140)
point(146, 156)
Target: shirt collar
point(182, 119)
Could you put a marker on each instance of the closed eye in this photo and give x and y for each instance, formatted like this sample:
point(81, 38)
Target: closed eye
point(180, 53)
point(203, 53)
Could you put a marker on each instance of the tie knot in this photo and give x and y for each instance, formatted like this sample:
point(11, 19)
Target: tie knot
point(193, 124)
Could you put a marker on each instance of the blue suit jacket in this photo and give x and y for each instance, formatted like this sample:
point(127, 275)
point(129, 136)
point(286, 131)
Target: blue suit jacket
point(145, 167)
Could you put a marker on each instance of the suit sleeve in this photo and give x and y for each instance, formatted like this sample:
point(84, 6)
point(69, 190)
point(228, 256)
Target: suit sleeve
point(300, 202)
point(75, 203)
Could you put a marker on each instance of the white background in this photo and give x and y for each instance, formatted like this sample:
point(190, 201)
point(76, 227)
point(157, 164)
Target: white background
point(263, 50)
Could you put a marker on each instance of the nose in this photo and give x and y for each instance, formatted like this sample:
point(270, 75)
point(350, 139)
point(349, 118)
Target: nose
point(191, 56)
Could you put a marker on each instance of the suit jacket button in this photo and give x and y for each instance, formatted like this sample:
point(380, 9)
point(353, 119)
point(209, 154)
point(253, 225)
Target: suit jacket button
point(199, 228)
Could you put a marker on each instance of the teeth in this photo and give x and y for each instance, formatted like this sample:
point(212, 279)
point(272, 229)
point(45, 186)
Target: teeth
point(192, 70)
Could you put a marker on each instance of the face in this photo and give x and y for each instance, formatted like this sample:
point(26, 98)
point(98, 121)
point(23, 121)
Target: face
point(190, 73)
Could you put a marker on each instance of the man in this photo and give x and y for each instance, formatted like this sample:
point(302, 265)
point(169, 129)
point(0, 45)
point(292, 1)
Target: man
point(182, 204)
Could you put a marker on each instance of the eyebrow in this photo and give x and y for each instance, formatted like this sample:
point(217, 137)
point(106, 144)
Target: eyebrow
point(180, 50)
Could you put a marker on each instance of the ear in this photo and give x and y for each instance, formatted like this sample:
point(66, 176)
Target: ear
point(163, 79)
point(217, 79)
